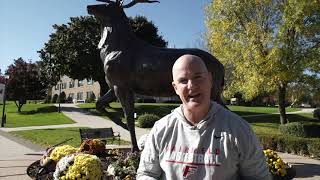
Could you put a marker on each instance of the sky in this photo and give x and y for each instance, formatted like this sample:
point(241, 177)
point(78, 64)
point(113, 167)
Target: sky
point(27, 24)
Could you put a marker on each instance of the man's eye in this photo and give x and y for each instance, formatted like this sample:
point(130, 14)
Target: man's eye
point(183, 81)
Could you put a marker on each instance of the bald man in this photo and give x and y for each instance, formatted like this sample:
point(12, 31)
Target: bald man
point(200, 139)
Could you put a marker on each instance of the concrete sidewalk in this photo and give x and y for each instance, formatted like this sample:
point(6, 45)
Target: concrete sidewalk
point(13, 162)
point(306, 168)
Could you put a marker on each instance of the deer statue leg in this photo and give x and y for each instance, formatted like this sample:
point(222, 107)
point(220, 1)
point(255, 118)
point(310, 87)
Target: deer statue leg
point(126, 98)
point(105, 99)
point(101, 106)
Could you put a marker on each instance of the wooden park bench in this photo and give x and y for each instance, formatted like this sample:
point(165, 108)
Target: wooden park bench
point(99, 133)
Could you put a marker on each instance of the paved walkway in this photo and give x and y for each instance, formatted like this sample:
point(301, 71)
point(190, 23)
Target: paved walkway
point(83, 118)
point(13, 161)
point(303, 110)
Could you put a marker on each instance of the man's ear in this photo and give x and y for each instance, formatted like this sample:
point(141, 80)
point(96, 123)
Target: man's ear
point(175, 87)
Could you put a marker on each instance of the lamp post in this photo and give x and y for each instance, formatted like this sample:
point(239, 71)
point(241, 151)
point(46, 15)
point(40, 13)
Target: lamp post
point(59, 98)
point(4, 116)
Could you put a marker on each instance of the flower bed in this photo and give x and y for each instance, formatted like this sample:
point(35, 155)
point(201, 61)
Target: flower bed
point(278, 168)
point(91, 161)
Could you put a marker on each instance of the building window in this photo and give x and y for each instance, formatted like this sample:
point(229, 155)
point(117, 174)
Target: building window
point(90, 94)
point(90, 81)
point(71, 84)
point(80, 83)
point(71, 95)
point(63, 85)
point(80, 96)
point(56, 87)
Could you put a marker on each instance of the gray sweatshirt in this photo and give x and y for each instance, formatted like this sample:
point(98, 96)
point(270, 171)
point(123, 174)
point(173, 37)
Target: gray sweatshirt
point(222, 147)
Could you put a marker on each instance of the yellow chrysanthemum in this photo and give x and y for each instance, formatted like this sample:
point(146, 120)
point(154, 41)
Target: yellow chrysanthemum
point(61, 151)
point(276, 165)
point(85, 166)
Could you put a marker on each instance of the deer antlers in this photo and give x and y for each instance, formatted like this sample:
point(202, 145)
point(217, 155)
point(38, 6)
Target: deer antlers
point(132, 3)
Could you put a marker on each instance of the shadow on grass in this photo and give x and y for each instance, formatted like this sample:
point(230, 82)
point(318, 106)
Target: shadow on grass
point(266, 125)
point(64, 129)
point(47, 109)
point(154, 109)
point(245, 113)
point(117, 112)
point(306, 170)
point(275, 118)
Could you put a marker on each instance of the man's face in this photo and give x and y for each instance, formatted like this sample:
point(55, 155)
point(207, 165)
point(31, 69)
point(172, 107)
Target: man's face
point(192, 83)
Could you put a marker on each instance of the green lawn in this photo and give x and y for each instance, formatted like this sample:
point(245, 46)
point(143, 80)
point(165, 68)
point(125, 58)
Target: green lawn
point(244, 110)
point(270, 124)
point(49, 137)
point(267, 124)
point(162, 109)
point(34, 115)
point(41, 114)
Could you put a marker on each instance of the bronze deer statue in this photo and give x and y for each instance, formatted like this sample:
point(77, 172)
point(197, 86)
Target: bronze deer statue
point(133, 66)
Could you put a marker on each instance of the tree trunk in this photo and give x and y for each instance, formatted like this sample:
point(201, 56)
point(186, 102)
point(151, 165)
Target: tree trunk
point(19, 105)
point(282, 103)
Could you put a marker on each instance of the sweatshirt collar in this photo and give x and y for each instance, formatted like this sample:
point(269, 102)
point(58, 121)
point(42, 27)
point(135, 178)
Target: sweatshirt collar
point(214, 108)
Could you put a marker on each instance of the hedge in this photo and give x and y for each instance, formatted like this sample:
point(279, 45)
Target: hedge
point(301, 129)
point(147, 120)
point(296, 145)
point(316, 113)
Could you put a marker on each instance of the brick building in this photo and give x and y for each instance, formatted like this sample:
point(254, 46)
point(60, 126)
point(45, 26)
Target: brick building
point(78, 90)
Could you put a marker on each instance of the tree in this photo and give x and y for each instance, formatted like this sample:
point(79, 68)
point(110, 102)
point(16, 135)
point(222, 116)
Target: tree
point(24, 82)
point(2, 78)
point(265, 45)
point(72, 49)
point(316, 98)
point(62, 97)
point(297, 93)
point(147, 31)
point(54, 98)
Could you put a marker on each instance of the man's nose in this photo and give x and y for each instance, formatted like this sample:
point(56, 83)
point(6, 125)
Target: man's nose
point(191, 84)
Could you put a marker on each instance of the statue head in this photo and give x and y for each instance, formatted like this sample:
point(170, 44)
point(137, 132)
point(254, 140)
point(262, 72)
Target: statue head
point(107, 13)
point(112, 11)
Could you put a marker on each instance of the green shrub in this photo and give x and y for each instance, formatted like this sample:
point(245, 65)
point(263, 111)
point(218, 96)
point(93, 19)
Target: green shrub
point(147, 120)
point(295, 129)
point(62, 97)
point(316, 113)
point(301, 129)
point(48, 99)
point(90, 100)
point(69, 99)
point(288, 144)
point(296, 145)
point(54, 98)
point(314, 149)
point(268, 142)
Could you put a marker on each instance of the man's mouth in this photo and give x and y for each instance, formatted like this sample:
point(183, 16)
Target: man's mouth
point(194, 95)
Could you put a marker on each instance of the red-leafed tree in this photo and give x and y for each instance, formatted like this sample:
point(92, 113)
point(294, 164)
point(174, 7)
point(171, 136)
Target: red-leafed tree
point(24, 82)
